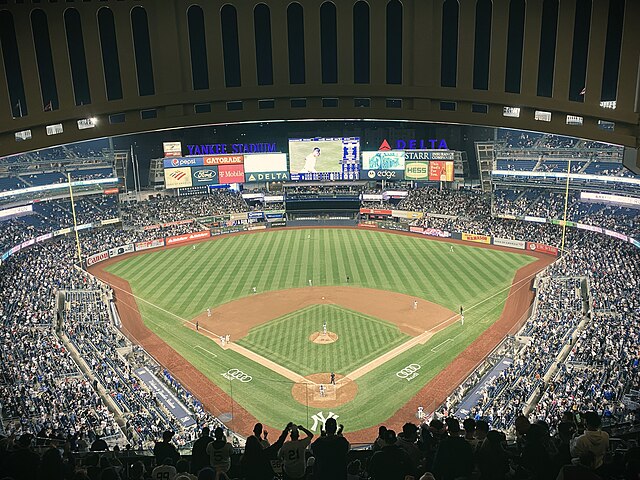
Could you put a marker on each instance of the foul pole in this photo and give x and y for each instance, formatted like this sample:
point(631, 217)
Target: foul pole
point(566, 204)
point(75, 224)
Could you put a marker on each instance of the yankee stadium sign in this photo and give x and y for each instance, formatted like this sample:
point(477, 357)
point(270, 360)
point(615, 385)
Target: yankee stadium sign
point(218, 148)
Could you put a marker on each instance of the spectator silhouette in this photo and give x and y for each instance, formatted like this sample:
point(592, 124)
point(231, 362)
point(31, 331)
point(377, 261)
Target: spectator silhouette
point(165, 449)
point(199, 456)
point(492, 458)
point(23, 463)
point(330, 453)
point(256, 461)
point(219, 452)
point(391, 462)
point(454, 457)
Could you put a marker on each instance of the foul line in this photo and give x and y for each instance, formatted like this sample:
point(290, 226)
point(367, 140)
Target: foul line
point(441, 343)
point(279, 369)
point(208, 351)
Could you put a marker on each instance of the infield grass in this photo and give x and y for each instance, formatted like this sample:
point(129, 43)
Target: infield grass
point(177, 284)
point(361, 338)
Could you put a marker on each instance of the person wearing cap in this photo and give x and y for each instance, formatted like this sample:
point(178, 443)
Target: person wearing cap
point(292, 453)
point(330, 452)
point(392, 462)
point(165, 449)
point(199, 456)
point(219, 452)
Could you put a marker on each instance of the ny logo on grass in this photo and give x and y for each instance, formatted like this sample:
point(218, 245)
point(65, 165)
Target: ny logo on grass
point(319, 418)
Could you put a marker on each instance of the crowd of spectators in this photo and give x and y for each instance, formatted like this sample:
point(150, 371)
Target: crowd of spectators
point(549, 204)
point(163, 209)
point(44, 391)
point(458, 203)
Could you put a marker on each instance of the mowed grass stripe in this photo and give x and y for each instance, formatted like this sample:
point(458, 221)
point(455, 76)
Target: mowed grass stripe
point(413, 272)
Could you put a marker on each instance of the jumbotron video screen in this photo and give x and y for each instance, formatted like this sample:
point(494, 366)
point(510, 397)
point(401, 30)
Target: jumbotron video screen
point(324, 158)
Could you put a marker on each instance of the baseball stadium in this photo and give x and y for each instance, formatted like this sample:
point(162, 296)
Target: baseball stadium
point(328, 254)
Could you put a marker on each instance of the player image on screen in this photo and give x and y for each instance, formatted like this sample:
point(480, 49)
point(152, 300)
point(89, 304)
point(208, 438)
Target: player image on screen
point(324, 158)
point(310, 161)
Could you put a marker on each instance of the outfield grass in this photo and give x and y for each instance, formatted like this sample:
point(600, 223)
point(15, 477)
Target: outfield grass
point(178, 284)
point(361, 338)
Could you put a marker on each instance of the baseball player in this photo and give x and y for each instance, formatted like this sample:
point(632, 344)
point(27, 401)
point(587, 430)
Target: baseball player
point(310, 161)
point(415, 304)
point(324, 327)
point(333, 378)
point(321, 390)
point(451, 248)
point(197, 325)
point(209, 312)
point(254, 290)
point(310, 283)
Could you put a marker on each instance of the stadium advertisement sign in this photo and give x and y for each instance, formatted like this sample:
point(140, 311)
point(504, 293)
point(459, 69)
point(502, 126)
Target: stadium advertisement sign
point(375, 211)
point(472, 237)
point(188, 237)
point(280, 223)
point(507, 242)
point(44, 237)
point(98, 257)
point(381, 175)
point(265, 163)
point(617, 235)
point(388, 160)
point(231, 173)
point(224, 160)
point(542, 248)
point(172, 149)
point(159, 242)
point(204, 176)
point(635, 242)
point(416, 170)
point(16, 210)
point(256, 214)
point(529, 218)
point(27, 243)
point(274, 214)
point(266, 176)
point(177, 177)
point(441, 171)
point(257, 227)
point(406, 214)
point(117, 251)
point(436, 232)
point(176, 162)
point(238, 216)
point(591, 228)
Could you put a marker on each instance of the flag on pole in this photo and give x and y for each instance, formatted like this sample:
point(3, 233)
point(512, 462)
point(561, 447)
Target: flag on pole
point(583, 91)
point(48, 107)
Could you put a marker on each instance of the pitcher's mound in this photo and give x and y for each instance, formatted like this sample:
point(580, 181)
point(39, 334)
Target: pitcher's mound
point(323, 338)
point(329, 396)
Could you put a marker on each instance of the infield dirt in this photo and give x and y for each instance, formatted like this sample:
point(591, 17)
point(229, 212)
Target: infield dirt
point(434, 393)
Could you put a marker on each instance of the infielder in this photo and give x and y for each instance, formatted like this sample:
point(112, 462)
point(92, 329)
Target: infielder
point(322, 390)
point(415, 304)
point(208, 312)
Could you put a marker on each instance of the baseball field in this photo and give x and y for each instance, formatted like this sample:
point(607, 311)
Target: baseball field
point(380, 311)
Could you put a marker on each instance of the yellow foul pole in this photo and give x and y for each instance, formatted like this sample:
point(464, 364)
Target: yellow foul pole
point(566, 205)
point(75, 225)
